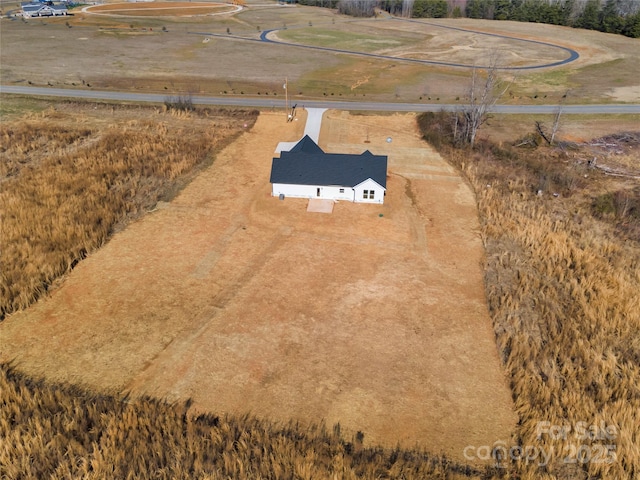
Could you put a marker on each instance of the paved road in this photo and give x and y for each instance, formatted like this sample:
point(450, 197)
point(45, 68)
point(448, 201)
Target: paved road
point(248, 102)
point(572, 55)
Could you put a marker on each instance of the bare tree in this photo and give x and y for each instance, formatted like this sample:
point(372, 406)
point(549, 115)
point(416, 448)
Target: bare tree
point(483, 95)
point(407, 8)
point(556, 124)
point(556, 121)
point(542, 130)
point(357, 8)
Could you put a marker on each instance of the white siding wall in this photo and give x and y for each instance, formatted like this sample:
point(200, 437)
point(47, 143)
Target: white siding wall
point(369, 185)
point(355, 194)
point(297, 191)
point(311, 191)
point(334, 193)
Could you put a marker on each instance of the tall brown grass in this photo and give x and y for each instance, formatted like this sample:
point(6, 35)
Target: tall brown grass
point(563, 287)
point(62, 432)
point(68, 180)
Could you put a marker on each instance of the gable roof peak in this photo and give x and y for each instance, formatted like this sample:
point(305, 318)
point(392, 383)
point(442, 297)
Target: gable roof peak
point(306, 145)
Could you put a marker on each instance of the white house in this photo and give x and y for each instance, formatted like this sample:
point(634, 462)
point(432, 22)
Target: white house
point(48, 9)
point(306, 171)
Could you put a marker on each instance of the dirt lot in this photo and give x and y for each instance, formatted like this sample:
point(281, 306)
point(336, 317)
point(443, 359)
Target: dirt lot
point(372, 316)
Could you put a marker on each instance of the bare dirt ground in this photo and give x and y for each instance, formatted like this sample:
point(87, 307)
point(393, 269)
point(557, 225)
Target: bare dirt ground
point(373, 316)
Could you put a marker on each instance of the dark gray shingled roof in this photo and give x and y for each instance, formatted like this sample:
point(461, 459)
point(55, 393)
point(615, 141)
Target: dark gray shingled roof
point(306, 145)
point(307, 164)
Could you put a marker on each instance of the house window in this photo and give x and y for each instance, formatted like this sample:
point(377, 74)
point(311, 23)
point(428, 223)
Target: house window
point(365, 194)
point(342, 190)
point(371, 194)
point(318, 192)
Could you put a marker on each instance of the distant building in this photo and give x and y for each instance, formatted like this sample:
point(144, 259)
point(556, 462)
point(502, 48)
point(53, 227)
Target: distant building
point(306, 171)
point(47, 9)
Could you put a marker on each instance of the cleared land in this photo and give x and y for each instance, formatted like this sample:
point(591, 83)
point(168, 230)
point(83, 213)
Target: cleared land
point(562, 276)
point(423, 40)
point(225, 312)
point(180, 54)
point(178, 9)
point(373, 316)
point(69, 180)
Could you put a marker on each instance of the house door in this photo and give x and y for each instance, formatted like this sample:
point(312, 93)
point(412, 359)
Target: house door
point(318, 192)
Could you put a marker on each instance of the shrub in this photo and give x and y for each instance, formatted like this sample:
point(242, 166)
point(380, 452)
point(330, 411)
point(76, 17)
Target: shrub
point(180, 102)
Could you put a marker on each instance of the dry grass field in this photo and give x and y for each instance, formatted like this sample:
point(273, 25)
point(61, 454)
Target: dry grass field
point(276, 319)
point(60, 431)
point(562, 277)
point(160, 9)
point(386, 333)
point(175, 55)
point(70, 179)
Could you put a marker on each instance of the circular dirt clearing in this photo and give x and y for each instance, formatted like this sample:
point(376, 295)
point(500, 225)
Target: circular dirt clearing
point(162, 9)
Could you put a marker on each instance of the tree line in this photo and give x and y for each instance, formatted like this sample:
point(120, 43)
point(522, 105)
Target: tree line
point(609, 16)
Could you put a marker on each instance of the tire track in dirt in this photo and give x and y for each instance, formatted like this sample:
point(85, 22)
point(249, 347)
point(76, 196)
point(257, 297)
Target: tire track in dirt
point(175, 349)
point(245, 303)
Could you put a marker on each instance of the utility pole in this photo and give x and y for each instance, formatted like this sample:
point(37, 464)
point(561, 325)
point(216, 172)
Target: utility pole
point(286, 98)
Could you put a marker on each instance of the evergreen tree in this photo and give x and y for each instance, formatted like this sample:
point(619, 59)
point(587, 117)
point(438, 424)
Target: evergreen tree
point(474, 9)
point(430, 8)
point(590, 16)
point(632, 26)
point(610, 20)
point(502, 10)
point(394, 7)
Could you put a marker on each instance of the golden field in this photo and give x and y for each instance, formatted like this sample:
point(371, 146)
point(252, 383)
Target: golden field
point(562, 280)
point(562, 274)
point(66, 188)
point(193, 300)
point(63, 432)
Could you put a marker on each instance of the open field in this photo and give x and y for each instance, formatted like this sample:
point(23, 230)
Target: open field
point(60, 431)
point(175, 54)
point(175, 9)
point(65, 189)
point(404, 39)
point(385, 328)
point(562, 274)
point(387, 331)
